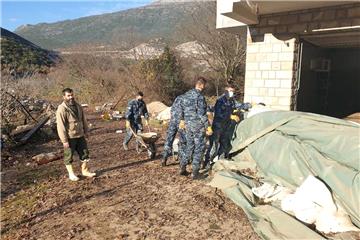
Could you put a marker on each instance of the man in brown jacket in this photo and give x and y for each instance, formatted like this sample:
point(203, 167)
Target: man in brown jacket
point(72, 129)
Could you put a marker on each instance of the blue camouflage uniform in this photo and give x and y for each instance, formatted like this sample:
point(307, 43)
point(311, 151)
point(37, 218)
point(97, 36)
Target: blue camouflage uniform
point(136, 109)
point(223, 109)
point(196, 122)
point(176, 114)
point(182, 144)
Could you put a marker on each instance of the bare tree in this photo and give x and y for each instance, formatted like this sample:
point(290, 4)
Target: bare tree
point(223, 52)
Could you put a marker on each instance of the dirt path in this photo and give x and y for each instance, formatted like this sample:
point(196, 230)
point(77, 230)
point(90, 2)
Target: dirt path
point(132, 198)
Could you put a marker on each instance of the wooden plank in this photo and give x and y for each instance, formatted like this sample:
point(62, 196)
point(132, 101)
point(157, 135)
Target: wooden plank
point(22, 130)
point(35, 129)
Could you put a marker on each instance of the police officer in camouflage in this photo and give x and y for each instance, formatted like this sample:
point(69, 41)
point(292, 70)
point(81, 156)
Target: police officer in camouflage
point(135, 109)
point(176, 125)
point(196, 122)
point(228, 131)
point(223, 117)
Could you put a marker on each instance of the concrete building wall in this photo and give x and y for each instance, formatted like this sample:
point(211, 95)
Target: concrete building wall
point(270, 71)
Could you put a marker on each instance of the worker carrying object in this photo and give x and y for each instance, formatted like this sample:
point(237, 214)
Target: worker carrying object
point(223, 115)
point(135, 109)
point(196, 122)
point(176, 125)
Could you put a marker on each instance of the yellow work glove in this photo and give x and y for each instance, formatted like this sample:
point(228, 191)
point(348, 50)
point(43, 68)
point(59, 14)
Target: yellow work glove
point(146, 122)
point(209, 131)
point(182, 124)
point(106, 116)
point(127, 124)
point(235, 118)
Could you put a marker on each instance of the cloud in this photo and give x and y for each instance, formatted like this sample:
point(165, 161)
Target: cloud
point(13, 19)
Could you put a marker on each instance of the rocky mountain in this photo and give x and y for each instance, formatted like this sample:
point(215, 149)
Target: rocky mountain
point(189, 49)
point(20, 56)
point(162, 19)
point(151, 49)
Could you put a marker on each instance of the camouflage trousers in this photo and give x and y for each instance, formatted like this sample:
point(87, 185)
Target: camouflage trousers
point(195, 147)
point(170, 137)
point(182, 144)
point(215, 147)
point(227, 138)
point(220, 142)
point(137, 128)
point(78, 145)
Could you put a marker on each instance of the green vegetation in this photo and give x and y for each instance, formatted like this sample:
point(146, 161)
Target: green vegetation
point(20, 57)
point(27, 178)
point(16, 209)
point(124, 29)
point(156, 124)
point(98, 77)
point(164, 74)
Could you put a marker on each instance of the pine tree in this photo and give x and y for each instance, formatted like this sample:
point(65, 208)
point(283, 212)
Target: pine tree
point(164, 75)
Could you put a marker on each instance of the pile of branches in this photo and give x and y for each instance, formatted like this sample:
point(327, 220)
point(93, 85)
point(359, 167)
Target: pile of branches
point(20, 114)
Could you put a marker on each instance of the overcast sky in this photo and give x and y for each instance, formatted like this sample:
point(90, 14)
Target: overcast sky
point(15, 13)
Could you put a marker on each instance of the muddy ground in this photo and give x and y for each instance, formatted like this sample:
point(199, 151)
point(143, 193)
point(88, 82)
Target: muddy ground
point(132, 197)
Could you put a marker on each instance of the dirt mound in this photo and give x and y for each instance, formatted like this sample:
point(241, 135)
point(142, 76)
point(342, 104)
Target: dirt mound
point(155, 108)
point(164, 115)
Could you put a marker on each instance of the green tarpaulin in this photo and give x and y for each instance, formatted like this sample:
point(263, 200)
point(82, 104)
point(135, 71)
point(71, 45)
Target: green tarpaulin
point(284, 148)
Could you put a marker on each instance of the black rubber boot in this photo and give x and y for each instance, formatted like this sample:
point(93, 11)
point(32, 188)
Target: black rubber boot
point(206, 166)
point(183, 171)
point(163, 161)
point(196, 175)
point(203, 165)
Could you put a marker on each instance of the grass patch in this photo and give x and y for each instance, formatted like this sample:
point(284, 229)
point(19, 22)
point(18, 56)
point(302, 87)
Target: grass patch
point(154, 123)
point(27, 178)
point(214, 226)
point(23, 202)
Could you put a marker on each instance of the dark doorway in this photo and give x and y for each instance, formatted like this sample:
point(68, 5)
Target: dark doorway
point(329, 80)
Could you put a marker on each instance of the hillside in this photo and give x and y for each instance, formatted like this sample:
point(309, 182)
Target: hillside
point(20, 56)
point(123, 29)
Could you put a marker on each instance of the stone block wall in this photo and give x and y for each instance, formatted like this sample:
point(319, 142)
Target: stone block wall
point(270, 71)
point(305, 21)
point(271, 62)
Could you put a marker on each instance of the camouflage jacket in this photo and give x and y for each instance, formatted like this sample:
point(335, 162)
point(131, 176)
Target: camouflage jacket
point(136, 109)
point(224, 107)
point(195, 108)
point(177, 110)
